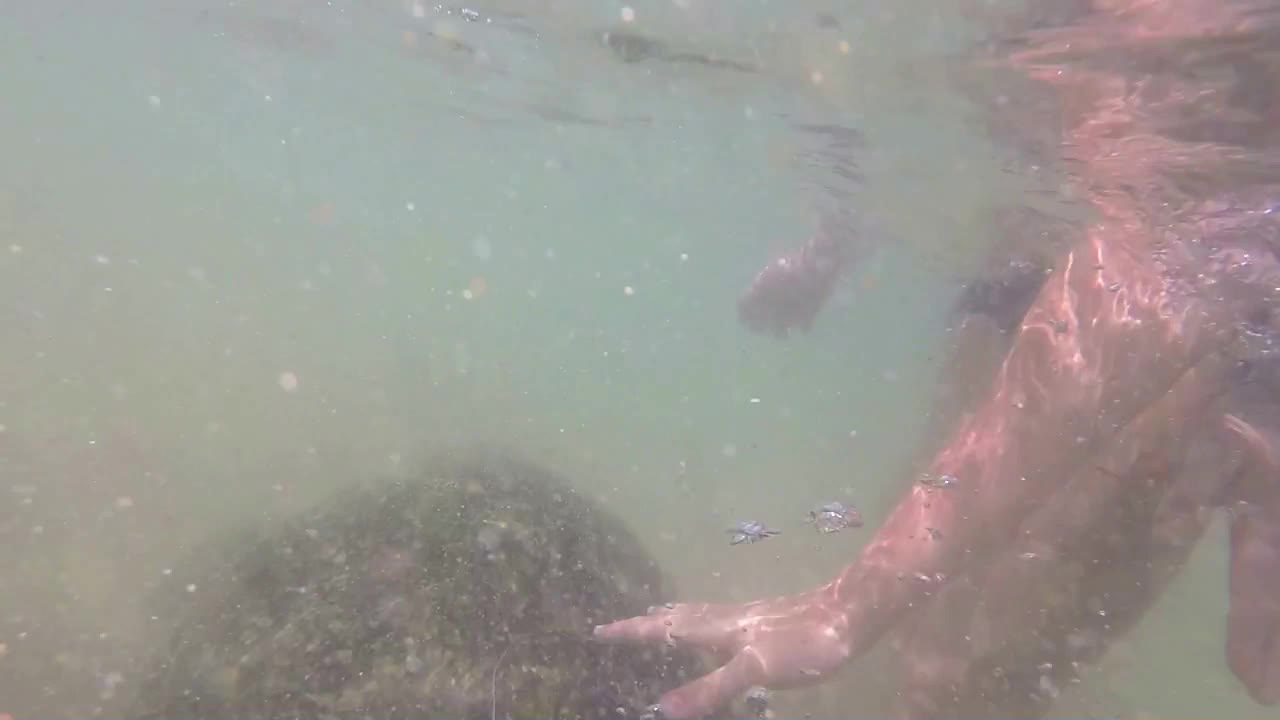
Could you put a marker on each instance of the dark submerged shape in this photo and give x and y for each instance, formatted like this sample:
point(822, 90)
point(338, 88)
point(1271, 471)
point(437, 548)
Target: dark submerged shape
point(791, 290)
point(466, 592)
point(1004, 295)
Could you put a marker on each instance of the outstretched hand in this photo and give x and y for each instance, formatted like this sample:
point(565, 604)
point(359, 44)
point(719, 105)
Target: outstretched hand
point(784, 642)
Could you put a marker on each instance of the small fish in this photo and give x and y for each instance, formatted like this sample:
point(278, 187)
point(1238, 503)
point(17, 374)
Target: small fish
point(834, 517)
point(750, 531)
point(940, 481)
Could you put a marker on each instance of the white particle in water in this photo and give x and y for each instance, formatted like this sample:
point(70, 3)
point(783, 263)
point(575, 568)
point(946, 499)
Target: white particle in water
point(154, 100)
point(481, 248)
point(1048, 687)
point(409, 206)
point(288, 381)
point(489, 538)
point(628, 291)
point(124, 502)
point(628, 14)
point(191, 588)
point(461, 358)
point(109, 682)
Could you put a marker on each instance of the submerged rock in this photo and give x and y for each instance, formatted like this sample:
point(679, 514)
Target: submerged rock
point(468, 593)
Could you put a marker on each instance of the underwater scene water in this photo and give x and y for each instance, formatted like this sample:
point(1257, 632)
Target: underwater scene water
point(360, 356)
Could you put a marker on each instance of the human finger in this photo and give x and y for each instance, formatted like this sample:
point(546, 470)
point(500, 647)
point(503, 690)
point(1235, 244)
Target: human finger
point(713, 691)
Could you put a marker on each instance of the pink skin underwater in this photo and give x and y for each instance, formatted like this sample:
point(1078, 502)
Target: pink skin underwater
point(1132, 399)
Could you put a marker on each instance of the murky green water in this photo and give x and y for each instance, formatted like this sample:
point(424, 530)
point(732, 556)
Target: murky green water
point(253, 252)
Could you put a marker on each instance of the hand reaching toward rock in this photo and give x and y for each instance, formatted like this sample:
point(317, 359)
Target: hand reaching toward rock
point(784, 642)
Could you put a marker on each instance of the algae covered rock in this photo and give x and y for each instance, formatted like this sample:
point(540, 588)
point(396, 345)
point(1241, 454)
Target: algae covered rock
point(468, 593)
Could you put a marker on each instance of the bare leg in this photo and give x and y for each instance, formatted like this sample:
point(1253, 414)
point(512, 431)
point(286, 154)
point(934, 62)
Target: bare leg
point(1253, 620)
point(1253, 624)
point(1082, 572)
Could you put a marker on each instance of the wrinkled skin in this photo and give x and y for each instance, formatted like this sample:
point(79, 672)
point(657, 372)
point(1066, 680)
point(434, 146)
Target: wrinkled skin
point(1136, 395)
